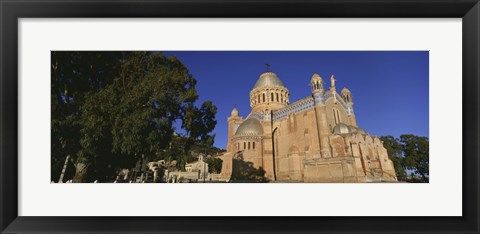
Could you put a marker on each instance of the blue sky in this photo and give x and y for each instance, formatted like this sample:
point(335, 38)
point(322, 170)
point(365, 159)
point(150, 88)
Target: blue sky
point(389, 88)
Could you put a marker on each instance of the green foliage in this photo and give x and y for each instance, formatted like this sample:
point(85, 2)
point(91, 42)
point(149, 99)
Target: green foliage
point(395, 153)
point(408, 152)
point(110, 109)
point(198, 123)
point(214, 165)
point(416, 154)
point(74, 75)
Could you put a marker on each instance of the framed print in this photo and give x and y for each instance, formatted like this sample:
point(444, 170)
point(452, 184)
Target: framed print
point(224, 116)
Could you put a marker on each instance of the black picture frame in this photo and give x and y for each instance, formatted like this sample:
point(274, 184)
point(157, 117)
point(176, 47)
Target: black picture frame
point(11, 11)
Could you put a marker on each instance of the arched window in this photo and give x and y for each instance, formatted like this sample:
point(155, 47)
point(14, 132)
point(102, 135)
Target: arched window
point(336, 116)
point(277, 97)
point(249, 145)
point(258, 98)
point(281, 98)
point(263, 97)
point(253, 145)
point(244, 145)
point(271, 97)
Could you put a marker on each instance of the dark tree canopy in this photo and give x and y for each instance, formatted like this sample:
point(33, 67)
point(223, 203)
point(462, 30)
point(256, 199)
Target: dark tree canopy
point(74, 75)
point(416, 154)
point(409, 152)
point(111, 109)
point(395, 153)
point(214, 165)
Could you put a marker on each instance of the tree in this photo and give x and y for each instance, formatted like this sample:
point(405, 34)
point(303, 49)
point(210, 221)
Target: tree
point(395, 153)
point(409, 152)
point(198, 123)
point(124, 109)
point(214, 165)
point(135, 114)
point(74, 75)
point(416, 150)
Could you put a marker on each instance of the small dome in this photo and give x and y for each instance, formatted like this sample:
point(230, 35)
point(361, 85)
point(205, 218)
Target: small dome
point(342, 128)
point(361, 131)
point(234, 112)
point(345, 90)
point(268, 79)
point(251, 126)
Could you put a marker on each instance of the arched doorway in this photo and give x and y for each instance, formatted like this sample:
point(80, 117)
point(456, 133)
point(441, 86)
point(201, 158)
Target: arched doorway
point(295, 164)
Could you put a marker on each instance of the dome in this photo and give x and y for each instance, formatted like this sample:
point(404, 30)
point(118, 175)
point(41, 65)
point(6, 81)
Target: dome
point(234, 112)
point(345, 90)
point(361, 131)
point(342, 128)
point(251, 126)
point(268, 79)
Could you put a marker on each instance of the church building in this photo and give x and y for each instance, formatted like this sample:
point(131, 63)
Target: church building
point(314, 139)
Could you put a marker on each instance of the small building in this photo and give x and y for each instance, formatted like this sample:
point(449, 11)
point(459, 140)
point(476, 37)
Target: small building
point(199, 166)
point(194, 172)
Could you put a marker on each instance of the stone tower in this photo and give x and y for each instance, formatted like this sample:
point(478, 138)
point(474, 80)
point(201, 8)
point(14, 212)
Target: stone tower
point(233, 122)
point(347, 96)
point(320, 115)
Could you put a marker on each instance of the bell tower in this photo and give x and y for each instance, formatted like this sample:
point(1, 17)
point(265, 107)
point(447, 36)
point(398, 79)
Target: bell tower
point(233, 122)
point(320, 115)
point(347, 97)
